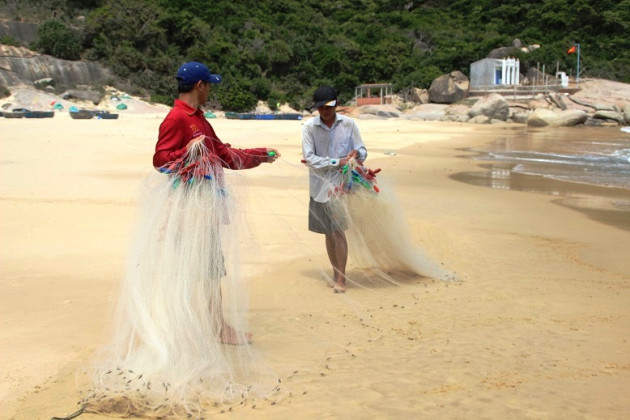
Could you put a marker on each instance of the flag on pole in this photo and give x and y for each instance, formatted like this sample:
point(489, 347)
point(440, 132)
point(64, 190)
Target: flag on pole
point(571, 50)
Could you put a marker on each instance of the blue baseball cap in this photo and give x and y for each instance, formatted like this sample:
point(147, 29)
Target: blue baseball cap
point(193, 72)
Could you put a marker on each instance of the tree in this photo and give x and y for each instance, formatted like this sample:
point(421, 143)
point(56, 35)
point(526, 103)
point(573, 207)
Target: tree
point(58, 40)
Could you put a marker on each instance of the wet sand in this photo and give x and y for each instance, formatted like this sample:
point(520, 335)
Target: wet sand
point(610, 205)
point(537, 328)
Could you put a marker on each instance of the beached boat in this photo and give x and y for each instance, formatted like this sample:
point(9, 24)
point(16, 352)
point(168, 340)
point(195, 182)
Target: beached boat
point(289, 116)
point(105, 115)
point(15, 113)
point(39, 114)
point(81, 114)
point(252, 116)
point(27, 113)
point(10, 114)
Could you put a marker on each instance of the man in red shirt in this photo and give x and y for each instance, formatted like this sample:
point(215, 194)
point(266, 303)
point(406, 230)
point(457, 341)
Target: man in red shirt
point(185, 126)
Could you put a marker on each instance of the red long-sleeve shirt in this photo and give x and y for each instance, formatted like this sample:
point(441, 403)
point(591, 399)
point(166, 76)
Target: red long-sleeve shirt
point(184, 123)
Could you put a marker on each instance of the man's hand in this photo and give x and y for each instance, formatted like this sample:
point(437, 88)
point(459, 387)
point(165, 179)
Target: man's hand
point(272, 155)
point(344, 161)
point(194, 141)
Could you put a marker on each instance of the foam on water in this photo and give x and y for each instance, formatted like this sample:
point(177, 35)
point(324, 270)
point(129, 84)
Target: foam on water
point(599, 162)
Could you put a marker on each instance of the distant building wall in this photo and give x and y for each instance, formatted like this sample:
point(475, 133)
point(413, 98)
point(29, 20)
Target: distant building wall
point(482, 72)
point(373, 94)
point(494, 72)
point(373, 101)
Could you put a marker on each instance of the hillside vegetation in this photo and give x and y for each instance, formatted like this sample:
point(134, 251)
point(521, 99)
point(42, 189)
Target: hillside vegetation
point(281, 50)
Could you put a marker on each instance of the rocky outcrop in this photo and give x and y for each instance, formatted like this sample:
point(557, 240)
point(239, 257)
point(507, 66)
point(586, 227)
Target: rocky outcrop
point(427, 112)
point(547, 118)
point(520, 117)
point(82, 95)
point(539, 101)
point(384, 111)
point(420, 96)
point(449, 88)
point(556, 99)
point(579, 101)
point(493, 106)
point(479, 119)
point(598, 103)
point(596, 92)
point(456, 113)
point(537, 77)
point(24, 32)
point(517, 46)
point(22, 67)
point(609, 115)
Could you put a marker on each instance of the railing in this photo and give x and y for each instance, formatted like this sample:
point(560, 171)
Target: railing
point(520, 90)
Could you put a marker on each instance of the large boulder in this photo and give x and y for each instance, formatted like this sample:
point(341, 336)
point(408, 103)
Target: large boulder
point(449, 88)
point(609, 115)
point(385, 111)
point(502, 52)
point(539, 101)
point(83, 95)
point(542, 117)
point(556, 99)
point(607, 107)
point(427, 112)
point(420, 96)
point(457, 113)
point(520, 117)
point(479, 119)
point(535, 76)
point(517, 46)
point(493, 106)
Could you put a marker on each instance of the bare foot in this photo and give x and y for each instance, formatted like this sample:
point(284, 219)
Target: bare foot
point(339, 286)
point(229, 335)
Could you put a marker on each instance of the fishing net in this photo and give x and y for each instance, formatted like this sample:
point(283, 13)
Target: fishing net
point(378, 236)
point(180, 339)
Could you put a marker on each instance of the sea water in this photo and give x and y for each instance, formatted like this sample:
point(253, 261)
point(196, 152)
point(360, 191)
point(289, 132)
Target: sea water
point(586, 167)
point(597, 161)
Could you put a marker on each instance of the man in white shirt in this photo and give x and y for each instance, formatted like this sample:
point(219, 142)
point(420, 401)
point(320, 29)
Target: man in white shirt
point(328, 141)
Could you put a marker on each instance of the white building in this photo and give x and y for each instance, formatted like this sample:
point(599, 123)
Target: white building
point(494, 72)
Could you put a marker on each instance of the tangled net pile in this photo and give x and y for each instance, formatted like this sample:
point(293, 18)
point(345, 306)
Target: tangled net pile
point(181, 300)
point(378, 235)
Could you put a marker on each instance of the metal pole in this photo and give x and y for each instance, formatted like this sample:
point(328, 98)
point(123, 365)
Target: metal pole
point(577, 76)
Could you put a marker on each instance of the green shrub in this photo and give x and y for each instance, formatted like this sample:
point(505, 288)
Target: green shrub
point(274, 99)
point(58, 40)
point(4, 91)
point(162, 99)
point(236, 98)
point(9, 40)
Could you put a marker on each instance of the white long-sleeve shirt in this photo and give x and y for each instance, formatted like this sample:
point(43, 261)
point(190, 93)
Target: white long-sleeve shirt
point(323, 147)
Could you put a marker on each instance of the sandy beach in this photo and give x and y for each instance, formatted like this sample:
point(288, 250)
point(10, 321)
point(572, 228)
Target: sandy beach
point(537, 328)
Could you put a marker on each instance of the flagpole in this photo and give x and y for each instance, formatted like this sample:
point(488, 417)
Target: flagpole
point(577, 76)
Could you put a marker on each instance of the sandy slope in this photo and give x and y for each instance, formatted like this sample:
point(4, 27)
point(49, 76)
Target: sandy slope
point(537, 329)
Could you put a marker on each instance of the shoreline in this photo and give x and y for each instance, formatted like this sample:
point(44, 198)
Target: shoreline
point(606, 204)
point(540, 313)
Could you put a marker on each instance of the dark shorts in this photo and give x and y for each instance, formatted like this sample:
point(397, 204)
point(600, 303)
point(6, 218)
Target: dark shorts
point(326, 217)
